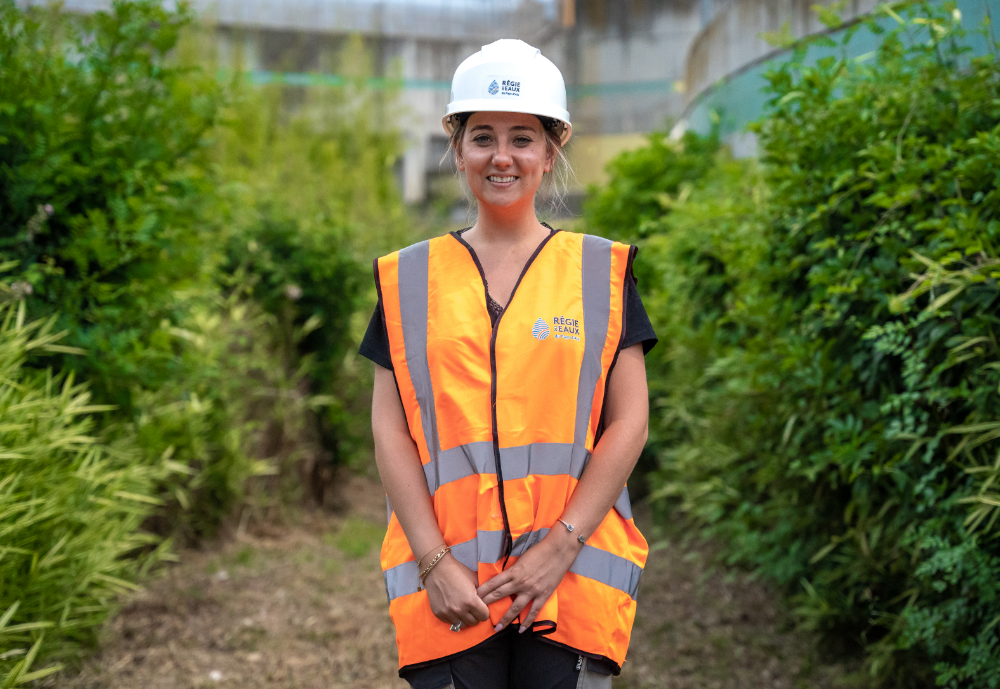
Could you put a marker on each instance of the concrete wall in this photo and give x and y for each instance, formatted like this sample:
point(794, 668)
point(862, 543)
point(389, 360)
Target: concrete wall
point(455, 19)
point(732, 38)
point(627, 77)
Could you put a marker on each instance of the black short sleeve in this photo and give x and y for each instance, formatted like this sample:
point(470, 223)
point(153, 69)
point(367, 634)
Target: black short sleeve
point(637, 326)
point(375, 345)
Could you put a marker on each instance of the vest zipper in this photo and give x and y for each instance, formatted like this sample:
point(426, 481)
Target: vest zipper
point(508, 541)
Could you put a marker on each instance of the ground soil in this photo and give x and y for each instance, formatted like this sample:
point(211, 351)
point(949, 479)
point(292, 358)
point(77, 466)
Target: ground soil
point(304, 606)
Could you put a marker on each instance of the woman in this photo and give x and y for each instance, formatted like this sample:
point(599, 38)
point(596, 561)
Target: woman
point(501, 437)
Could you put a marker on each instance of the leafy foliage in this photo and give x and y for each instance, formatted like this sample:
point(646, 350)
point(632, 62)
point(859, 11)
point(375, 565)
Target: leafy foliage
point(641, 181)
point(314, 200)
point(827, 399)
point(100, 181)
point(202, 249)
point(71, 506)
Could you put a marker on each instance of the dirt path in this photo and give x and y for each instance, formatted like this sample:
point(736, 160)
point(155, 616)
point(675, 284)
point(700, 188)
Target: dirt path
point(305, 607)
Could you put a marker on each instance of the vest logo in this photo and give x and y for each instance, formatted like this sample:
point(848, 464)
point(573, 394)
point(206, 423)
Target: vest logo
point(494, 88)
point(565, 328)
point(562, 329)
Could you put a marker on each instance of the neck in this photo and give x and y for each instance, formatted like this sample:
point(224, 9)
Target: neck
point(508, 224)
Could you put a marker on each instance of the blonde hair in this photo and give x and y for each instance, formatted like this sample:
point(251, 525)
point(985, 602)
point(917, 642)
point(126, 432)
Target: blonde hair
point(555, 184)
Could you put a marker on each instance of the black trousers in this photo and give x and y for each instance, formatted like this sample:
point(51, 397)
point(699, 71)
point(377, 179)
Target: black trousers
point(507, 660)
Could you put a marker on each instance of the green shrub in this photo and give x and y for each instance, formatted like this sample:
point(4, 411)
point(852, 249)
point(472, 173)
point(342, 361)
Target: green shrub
point(826, 403)
point(641, 181)
point(70, 506)
point(108, 212)
point(102, 185)
point(155, 211)
point(312, 198)
point(223, 424)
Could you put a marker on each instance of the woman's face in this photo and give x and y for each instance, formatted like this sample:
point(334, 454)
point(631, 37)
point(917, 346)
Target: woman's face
point(504, 155)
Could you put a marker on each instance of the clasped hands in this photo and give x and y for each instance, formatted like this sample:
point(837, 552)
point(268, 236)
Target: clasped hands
point(455, 595)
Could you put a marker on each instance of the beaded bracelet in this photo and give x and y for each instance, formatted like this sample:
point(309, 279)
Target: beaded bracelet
point(427, 570)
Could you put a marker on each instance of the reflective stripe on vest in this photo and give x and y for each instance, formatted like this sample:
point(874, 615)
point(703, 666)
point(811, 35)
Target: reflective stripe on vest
point(541, 373)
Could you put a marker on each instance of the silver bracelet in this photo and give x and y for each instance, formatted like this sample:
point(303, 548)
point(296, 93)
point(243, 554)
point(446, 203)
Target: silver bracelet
point(569, 527)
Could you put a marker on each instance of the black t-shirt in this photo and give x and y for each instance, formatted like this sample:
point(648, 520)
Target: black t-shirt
point(375, 345)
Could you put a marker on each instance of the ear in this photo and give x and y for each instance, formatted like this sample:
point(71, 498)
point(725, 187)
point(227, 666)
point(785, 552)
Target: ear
point(459, 160)
point(551, 151)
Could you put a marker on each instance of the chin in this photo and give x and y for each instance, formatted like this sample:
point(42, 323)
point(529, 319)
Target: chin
point(501, 202)
point(504, 200)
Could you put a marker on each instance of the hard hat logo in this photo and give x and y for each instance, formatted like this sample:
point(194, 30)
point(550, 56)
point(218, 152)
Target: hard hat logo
point(508, 76)
point(500, 87)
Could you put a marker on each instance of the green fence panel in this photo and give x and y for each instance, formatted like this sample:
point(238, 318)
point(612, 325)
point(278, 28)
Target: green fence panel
point(738, 99)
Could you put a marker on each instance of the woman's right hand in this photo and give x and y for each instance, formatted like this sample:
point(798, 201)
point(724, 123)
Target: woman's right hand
point(451, 588)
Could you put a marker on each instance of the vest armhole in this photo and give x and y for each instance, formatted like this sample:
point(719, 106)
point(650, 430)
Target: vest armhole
point(632, 251)
point(378, 291)
point(381, 303)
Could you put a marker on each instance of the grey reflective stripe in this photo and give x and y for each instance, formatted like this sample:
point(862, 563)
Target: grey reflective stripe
point(467, 553)
point(413, 267)
point(388, 510)
point(544, 459)
point(491, 544)
point(593, 563)
point(608, 568)
point(624, 505)
point(404, 579)
point(401, 580)
point(490, 548)
point(596, 316)
point(458, 462)
point(526, 540)
point(540, 459)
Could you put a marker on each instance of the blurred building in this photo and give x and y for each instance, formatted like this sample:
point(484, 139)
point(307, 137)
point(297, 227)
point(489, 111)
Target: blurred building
point(623, 60)
point(631, 66)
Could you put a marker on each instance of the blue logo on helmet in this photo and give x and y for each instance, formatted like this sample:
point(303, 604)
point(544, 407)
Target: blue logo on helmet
point(494, 88)
point(541, 329)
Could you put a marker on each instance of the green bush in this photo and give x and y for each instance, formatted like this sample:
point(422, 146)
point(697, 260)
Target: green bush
point(143, 201)
point(108, 213)
point(826, 403)
point(642, 180)
point(222, 424)
point(102, 182)
point(312, 196)
point(203, 249)
point(70, 506)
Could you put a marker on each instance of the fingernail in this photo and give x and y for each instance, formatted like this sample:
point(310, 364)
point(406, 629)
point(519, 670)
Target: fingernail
point(498, 628)
point(522, 630)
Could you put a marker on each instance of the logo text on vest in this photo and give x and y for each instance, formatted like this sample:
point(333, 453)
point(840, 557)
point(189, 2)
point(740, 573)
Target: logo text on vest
point(565, 328)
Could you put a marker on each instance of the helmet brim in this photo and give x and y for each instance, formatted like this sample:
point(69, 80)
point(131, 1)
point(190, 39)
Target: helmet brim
point(450, 120)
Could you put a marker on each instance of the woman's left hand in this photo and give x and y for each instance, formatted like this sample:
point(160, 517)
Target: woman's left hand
point(533, 578)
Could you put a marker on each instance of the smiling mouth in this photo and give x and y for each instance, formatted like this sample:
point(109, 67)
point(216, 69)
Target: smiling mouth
point(501, 180)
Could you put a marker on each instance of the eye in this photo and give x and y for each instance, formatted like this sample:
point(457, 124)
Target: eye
point(522, 140)
point(481, 139)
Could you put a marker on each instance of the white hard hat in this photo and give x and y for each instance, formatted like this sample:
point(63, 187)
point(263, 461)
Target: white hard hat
point(509, 76)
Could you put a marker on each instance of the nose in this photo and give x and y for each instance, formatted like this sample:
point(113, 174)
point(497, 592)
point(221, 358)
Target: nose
point(502, 158)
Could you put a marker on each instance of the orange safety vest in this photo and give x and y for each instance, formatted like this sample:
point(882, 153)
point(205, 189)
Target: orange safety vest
point(505, 419)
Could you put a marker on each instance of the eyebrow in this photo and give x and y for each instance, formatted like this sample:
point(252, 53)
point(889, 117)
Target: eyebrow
point(518, 127)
